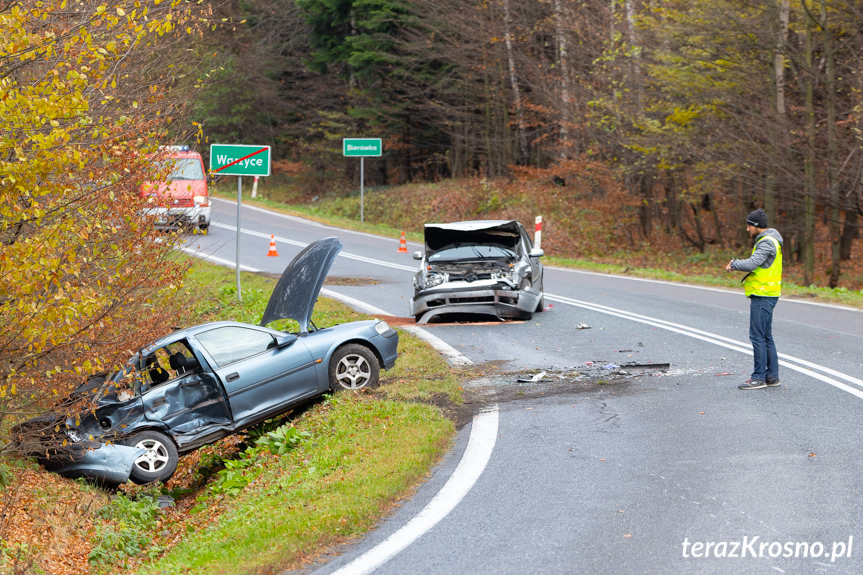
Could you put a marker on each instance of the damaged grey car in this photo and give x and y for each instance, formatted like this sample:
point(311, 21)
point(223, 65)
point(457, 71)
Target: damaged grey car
point(200, 384)
point(487, 267)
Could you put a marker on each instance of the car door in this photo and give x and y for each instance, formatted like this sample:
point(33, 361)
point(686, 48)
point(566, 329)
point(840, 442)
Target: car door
point(179, 393)
point(261, 374)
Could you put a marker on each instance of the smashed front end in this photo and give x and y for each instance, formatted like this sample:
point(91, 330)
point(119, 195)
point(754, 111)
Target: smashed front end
point(475, 268)
point(81, 436)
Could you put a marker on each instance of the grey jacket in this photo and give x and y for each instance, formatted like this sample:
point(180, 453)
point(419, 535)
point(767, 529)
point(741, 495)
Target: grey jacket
point(763, 256)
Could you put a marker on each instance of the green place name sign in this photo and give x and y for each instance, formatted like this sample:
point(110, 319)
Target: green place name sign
point(239, 160)
point(361, 147)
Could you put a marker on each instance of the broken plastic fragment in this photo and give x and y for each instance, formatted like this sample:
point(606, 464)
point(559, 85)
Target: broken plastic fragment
point(532, 379)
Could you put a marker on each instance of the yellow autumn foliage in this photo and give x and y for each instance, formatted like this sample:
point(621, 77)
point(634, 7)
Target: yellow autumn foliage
point(84, 101)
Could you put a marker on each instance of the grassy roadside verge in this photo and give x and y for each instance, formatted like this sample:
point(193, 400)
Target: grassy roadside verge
point(359, 454)
point(324, 473)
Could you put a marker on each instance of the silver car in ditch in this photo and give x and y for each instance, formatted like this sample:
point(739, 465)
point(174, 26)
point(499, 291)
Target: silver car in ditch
point(487, 267)
point(197, 385)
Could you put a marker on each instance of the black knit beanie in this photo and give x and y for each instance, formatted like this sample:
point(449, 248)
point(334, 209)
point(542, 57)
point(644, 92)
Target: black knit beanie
point(757, 218)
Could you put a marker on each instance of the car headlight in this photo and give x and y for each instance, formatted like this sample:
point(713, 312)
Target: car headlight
point(435, 279)
point(74, 435)
point(382, 327)
point(202, 201)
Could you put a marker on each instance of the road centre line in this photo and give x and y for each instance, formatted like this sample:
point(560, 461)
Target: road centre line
point(794, 363)
point(698, 287)
point(483, 435)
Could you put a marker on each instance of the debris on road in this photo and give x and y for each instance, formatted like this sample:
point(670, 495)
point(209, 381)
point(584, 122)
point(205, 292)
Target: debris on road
point(533, 379)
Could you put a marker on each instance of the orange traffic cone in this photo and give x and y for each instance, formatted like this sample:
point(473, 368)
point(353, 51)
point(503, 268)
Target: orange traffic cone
point(403, 246)
point(272, 251)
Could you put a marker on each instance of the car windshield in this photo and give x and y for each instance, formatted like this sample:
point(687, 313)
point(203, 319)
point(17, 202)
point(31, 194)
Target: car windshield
point(185, 169)
point(471, 252)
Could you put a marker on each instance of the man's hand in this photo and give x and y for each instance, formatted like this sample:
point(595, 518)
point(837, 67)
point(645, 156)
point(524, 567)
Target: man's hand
point(728, 267)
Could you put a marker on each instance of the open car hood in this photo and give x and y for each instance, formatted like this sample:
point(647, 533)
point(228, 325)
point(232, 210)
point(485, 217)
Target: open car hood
point(297, 291)
point(502, 232)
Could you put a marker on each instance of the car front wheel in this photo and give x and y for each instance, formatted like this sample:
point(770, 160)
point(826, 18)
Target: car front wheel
point(354, 367)
point(540, 307)
point(159, 462)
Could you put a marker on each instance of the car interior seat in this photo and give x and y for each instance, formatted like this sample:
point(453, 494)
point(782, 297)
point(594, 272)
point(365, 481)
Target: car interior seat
point(179, 363)
point(157, 373)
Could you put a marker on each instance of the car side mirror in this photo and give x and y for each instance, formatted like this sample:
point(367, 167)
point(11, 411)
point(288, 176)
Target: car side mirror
point(418, 255)
point(536, 253)
point(284, 341)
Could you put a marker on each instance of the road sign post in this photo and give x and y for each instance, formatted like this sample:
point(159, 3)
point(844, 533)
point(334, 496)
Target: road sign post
point(239, 160)
point(362, 148)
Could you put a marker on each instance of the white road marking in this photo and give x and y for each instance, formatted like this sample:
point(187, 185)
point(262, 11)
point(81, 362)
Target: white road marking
point(483, 435)
point(452, 355)
point(485, 425)
point(697, 287)
point(217, 260)
point(829, 376)
point(302, 220)
point(348, 255)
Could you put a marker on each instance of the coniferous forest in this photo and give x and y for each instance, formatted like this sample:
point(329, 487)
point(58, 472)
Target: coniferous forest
point(696, 106)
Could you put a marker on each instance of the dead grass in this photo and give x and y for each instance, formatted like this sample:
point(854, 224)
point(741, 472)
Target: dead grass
point(46, 522)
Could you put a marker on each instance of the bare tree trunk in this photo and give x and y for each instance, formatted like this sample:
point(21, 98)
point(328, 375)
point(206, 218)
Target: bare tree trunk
point(809, 165)
point(850, 232)
point(636, 51)
point(516, 93)
point(563, 66)
point(832, 150)
point(780, 126)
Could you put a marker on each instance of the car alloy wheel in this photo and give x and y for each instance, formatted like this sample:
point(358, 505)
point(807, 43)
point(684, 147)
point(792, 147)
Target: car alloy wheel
point(353, 367)
point(160, 460)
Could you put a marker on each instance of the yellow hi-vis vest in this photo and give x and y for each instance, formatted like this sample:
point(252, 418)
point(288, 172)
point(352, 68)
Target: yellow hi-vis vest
point(766, 282)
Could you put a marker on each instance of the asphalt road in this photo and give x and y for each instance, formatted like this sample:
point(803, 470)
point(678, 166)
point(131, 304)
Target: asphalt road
point(614, 462)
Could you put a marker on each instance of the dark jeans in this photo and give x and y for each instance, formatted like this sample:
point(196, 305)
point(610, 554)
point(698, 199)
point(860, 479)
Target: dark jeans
point(761, 336)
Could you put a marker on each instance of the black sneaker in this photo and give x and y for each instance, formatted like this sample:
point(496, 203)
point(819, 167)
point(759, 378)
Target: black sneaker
point(773, 382)
point(752, 384)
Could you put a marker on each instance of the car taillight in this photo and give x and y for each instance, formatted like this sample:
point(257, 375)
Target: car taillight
point(202, 201)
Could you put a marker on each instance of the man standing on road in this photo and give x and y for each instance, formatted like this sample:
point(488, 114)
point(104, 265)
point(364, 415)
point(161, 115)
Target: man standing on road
point(762, 284)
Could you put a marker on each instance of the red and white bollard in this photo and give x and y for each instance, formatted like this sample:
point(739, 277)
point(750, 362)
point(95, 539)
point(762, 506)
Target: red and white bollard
point(537, 234)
